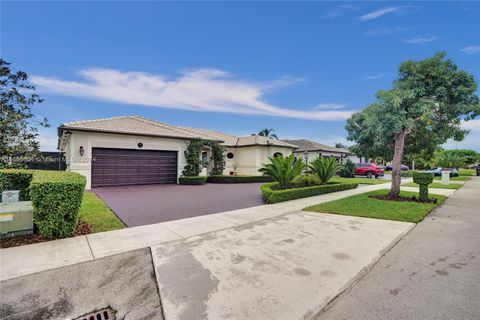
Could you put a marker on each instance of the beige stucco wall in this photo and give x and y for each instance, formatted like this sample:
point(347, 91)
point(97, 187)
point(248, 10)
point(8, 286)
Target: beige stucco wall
point(91, 140)
point(250, 159)
point(314, 154)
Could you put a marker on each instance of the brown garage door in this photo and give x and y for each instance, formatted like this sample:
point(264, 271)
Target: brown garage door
point(117, 167)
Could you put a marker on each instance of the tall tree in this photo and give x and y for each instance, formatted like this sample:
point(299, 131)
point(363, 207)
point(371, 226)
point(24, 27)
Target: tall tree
point(18, 131)
point(340, 145)
point(423, 110)
point(269, 133)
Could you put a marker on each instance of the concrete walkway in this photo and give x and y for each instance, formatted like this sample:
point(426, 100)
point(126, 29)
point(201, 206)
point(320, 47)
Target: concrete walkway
point(432, 273)
point(19, 261)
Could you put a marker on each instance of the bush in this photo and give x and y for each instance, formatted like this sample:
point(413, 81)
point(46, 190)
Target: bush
point(283, 169)
point(407, 173)
point(238, 179)
point(305, 181)
point(423, 179)
point(272, 194)
point(198, 180)
point(348, 169)
point(16, 179)
point(325, 168)
point(56, 198)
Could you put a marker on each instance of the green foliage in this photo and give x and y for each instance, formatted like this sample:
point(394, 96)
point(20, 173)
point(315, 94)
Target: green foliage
point(18, 136)
point(407, 173)
point(238, 179)
point(192, 157)
point(348, 169)
point(283, 169)
point(422, 111)
point(423, 179)
point(194, 162)
point(306, 181)
point(16, 179)
point(273, 194)
point(269, 133)
point(56, 197)
point(196, 180)
point(325, 168)
point(449, 159)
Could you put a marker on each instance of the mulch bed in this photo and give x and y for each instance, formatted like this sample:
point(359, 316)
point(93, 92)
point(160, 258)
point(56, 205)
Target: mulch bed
point(82, 229)
point(402, 199)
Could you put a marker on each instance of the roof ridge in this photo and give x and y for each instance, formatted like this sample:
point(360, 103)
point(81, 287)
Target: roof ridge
point(96, 120)
point(164, 125)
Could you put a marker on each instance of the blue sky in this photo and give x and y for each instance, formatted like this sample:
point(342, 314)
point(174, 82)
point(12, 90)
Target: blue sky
point(300, 68)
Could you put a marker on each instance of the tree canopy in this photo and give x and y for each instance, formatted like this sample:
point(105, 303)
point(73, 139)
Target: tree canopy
point(18, 131)
point(424, 109)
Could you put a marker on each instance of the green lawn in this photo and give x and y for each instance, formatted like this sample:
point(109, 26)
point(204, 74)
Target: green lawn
point(96, 213)
point(362, 206)
point(467, 172)
point(358, 180)
point(436, 185)
point(459, 178)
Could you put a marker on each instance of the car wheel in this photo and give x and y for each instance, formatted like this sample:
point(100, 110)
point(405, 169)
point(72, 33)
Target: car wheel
point(369, 174)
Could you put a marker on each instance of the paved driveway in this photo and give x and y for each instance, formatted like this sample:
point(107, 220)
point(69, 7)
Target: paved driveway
point(141, 205)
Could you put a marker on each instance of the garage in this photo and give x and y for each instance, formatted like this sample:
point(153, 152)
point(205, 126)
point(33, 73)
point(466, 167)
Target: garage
point(120, 167)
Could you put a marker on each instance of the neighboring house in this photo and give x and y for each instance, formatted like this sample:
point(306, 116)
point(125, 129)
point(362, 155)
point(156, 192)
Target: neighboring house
point(309, 150)
point(134, 150)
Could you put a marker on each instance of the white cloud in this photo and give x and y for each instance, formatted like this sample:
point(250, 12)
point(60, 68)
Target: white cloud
point(340, 11)
point(378, 13)
point(471, 49)
point(420, 40)
point(208, 90)
point(330, 106)
point(374, 77)
point(471, 141)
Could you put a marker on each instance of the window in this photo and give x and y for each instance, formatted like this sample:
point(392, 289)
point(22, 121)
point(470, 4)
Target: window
point(204, 159)
point(230, 155)
point(277, 154)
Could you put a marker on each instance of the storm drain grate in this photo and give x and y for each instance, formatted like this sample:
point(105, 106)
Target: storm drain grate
point(104, 314)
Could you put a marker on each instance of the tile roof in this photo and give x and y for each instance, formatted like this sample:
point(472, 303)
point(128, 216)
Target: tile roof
point(308, 145)
point(143, 126)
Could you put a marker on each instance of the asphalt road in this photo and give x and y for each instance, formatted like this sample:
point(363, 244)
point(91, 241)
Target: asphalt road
point(432, 273)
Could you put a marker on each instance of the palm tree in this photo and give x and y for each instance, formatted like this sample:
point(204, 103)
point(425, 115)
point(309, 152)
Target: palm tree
point(325, 168)
point(269, 133)
point(283, 169)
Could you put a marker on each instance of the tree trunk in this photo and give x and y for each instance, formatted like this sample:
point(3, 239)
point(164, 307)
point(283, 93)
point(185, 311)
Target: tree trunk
point(396, 164)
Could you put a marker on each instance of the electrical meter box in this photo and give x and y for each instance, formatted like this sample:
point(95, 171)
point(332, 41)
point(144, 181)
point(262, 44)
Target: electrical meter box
point(16, 218)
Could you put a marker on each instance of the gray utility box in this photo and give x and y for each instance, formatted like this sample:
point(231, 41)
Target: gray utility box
point(11, 196)
point(16, 218)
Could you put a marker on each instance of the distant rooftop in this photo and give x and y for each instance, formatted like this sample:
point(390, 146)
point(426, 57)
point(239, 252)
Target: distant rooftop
point(308, 145)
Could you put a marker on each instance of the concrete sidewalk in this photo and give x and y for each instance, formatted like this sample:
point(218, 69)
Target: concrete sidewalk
point(19, 261)
point(432, 273)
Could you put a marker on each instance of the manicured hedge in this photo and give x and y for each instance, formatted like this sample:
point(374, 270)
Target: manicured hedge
point(56, 198)
point(192, 180)
point(16, 179)
point(238, 179)
point(407, 173)
point(273, 195)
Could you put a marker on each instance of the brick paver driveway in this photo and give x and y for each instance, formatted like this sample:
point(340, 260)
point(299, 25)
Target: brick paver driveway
point(141, 205)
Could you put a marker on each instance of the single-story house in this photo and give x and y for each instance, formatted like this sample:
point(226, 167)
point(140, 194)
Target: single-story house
point(134, 150)
point(309, 150)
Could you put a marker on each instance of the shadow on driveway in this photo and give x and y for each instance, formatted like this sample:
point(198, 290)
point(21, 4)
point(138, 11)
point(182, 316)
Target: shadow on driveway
point(142, 205)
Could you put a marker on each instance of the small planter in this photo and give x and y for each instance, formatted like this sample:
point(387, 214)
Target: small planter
point(233, 173)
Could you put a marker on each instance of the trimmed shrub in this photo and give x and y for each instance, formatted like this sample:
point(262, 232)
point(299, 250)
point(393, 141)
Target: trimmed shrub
point(407, 173)
point(305, 181)
point(423, 179)
point(198, 180)
point(348, 170)
point(325, 168)
point(16, 179)
point(273, 195)
point(238, 179)
point(283, 169)
point(56, 198)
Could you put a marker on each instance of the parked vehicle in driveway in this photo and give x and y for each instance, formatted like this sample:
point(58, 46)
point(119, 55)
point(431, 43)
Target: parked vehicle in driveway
point(402, 166)
point(368, 170)
point(478, 170)
point(438, 172)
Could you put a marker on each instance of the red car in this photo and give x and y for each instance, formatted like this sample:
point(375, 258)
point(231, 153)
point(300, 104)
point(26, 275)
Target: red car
point(368, 170)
